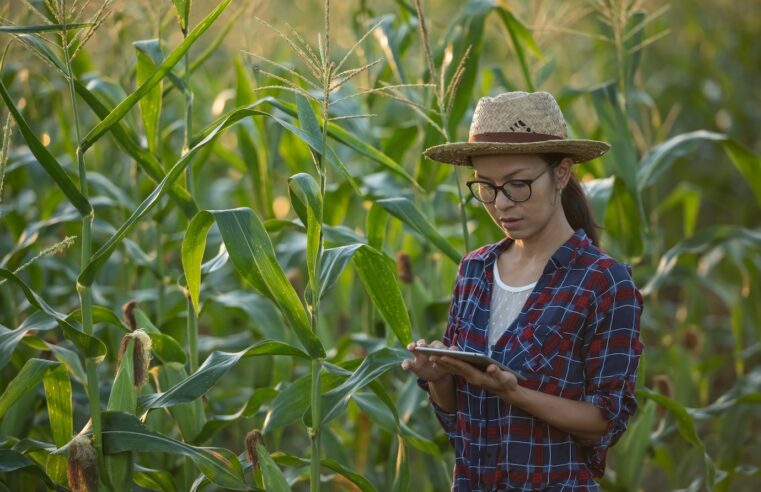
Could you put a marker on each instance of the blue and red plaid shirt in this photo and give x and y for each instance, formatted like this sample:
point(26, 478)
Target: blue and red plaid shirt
point(576, 337)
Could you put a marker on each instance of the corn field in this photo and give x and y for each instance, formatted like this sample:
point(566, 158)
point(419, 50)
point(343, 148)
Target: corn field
point(217, 232)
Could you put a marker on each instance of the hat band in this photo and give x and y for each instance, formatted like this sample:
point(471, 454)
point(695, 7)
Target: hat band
point(512, 137)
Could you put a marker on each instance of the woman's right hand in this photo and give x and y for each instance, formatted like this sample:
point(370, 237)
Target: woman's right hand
point(424, 366)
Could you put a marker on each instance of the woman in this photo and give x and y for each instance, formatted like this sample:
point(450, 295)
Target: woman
point(544, 301)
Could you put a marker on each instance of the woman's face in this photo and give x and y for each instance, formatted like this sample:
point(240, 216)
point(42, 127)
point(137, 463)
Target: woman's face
point(523, 220)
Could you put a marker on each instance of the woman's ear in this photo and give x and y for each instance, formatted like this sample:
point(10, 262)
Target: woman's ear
point(563, 172)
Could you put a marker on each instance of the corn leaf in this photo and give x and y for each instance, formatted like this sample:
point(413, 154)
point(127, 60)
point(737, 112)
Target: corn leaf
point(253, 256)
point(150, 104)
point(45, 158)
point(58, 396)
point(171, 60)
point(123, 432)
point(372, 367)
point(89, 346)
point(404, 210)
point(273, 477)
point(43, 28)
point(211, 371)
point(305, 191)
point(27, 378)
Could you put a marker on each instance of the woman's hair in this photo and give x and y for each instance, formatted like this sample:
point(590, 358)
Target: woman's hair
point(576, 206)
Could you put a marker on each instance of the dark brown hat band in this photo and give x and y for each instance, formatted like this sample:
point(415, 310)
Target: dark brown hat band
point(512, 137)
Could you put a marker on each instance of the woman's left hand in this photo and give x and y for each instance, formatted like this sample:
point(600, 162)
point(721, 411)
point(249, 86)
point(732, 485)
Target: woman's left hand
point(492, 379)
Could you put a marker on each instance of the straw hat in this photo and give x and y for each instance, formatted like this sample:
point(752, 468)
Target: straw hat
point(517, 123)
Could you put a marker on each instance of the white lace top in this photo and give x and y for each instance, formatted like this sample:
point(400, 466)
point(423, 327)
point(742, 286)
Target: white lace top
point(506, 304)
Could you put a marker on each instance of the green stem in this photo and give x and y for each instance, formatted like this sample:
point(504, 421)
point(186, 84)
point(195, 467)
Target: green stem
point(188, 119)
point(160, 294)
point(85, 294)
point(314, 484)
point(192, 336)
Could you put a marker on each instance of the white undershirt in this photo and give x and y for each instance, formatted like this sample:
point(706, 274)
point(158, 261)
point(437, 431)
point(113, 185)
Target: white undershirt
point(506, 305)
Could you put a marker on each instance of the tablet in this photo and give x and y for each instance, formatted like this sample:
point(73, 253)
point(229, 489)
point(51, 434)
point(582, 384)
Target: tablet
point(481, 361)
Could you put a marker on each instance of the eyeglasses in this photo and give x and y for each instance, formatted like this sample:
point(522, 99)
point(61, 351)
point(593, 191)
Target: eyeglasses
point(516, 190)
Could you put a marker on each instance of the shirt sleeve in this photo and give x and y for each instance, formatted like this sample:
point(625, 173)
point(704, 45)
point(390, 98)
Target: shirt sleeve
point(447, 420)
point(612, 357)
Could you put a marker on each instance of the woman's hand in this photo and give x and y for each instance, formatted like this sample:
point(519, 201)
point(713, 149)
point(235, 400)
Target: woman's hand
point(494, 379)
point(424, 365)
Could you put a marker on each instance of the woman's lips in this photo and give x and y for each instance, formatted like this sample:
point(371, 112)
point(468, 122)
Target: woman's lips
point(509, 222)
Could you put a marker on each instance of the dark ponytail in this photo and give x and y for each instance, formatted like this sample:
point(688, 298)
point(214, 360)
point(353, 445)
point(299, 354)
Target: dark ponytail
point(576, 206)
point(577, 209)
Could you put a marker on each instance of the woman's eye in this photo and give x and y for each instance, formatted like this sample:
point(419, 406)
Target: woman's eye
point(517, 184)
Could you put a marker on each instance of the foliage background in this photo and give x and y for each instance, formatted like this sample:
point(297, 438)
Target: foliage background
point(683, 210)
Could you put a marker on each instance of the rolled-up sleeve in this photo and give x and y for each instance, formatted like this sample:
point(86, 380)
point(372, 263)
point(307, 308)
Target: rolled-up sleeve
point(612, 356)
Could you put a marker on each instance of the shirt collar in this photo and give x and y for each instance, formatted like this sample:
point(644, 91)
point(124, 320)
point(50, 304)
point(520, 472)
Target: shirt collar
point(562, 258)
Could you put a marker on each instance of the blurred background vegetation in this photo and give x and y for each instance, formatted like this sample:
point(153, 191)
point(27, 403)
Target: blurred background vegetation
point(674, 87)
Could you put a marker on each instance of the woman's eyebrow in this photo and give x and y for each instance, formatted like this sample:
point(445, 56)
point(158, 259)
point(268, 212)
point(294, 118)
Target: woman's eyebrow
point(504, 177)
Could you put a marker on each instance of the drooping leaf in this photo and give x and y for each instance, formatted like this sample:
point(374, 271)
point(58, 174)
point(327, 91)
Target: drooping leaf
point(89, 346)
point(123, 432)
point(704, 239)
point(211, 371)
point(253, 256)
point(405, 210)
point(372, 367)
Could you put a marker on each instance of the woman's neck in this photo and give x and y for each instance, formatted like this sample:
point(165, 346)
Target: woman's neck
point(542, 245)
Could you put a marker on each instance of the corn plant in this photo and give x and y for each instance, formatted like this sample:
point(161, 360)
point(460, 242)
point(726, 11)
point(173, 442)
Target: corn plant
point(217, 234)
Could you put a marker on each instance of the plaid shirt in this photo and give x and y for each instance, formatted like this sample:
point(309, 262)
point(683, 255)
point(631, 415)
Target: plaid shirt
point(576, 337)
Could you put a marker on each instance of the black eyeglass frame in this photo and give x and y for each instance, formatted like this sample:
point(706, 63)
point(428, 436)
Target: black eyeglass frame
point(501, 187)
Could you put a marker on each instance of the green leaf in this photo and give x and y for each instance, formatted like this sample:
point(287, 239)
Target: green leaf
point(522, 40)
point(89, 346)
point(635, 446)
point(333, 263)
point(123, 397)
point(352, 141)
point(702, 241)
point(43, 28)
point(14, 461)
point(123, 432)
point(623, 223)
point(304, 189)
point(150, 104)
point(166, 348)
point(211, 371)
point(46, 159)
point(378, 275)
point(375, 226)
point(402, 471)
point(171, 60)
point(182, 7)
point(252, 254)
point(404, 210)
point(193, 247)
point(372, 367)
point(127, 141)
point(659, 158)
point(290, 460)
point(273, 477)
point(151, 479)
point(58, 396)
point(104, 252)
point(28, 377)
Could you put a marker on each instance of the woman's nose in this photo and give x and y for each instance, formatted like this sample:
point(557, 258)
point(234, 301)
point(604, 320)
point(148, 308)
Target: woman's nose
point(502, 201)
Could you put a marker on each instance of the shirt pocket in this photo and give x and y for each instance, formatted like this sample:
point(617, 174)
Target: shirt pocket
point(541, 344)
